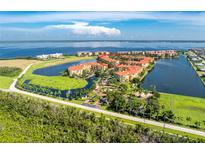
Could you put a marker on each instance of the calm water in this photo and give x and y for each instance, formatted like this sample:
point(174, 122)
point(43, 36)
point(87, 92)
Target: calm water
point(58, 69)
point(25, 49)
point(175, 76)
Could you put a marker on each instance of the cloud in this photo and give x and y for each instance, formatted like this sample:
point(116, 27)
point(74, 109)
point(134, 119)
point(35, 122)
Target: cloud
point(195, 18)
point(77, 30)
point(83, 28)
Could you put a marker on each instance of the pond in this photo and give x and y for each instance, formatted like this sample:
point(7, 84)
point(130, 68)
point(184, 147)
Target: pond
point(66, 94)
point(58, 69)
point(175, 76)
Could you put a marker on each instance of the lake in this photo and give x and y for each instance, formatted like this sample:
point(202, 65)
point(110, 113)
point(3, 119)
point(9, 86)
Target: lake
point(25, 49)
point(58, 69)
point(175, 76)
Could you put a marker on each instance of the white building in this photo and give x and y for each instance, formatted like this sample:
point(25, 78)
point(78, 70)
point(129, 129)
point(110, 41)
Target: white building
point(48, 56)
point(84, 53)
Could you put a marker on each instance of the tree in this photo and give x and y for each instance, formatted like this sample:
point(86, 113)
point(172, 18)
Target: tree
point(135, 81)
point(154, 91)
point(123, 88)
point(152, 107)
point(197, 124)
point(118, 103)
point(97, 73)
point(168, 116)
point(188, 119)
point(133, 105)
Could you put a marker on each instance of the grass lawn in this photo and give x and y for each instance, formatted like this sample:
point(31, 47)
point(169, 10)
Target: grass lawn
point(57, 82)
point(5, 82)
point(185, 106)
point(7, 75)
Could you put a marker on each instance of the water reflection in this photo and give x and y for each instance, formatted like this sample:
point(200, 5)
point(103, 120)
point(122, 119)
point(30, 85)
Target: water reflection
point(175, 76)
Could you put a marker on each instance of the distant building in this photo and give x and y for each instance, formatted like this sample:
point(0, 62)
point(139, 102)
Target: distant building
point(49, 56)
point(195, 59)
point(42, 56)
point(201, 69)
point(161, 53)
point(107, 60)
point(89, 66)
point(84, 53)
point(199, 64)
point(97, 53)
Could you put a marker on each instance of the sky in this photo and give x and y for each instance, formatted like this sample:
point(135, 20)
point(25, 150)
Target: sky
point(102, 26)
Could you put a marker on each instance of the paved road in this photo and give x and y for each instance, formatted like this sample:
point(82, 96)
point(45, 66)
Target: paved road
point(118, 115)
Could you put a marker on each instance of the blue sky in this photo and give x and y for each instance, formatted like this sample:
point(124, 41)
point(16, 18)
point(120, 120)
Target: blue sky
point(102, 25)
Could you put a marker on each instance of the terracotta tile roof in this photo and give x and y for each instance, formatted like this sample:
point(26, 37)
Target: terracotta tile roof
point(131, 70)
point(103, 64)
point(86, 65)
point(75, 68)
point(81, 66)
point(107, 58)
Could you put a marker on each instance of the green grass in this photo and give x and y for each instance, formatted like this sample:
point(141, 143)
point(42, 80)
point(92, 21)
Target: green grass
point(59, 82)
point(10, 71)
point(7, 74)
point(25, 119)
point(17, 131)
point(5, 82)
point(159, 129)
point(185, 106)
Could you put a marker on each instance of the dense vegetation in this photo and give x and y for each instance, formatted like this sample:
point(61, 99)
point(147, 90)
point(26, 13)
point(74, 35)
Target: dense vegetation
point(146, 108)
point(10, 71)
point(182, 110)
point(25, 119)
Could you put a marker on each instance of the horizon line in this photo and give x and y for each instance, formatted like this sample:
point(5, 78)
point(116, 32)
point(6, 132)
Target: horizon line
point(8, 41)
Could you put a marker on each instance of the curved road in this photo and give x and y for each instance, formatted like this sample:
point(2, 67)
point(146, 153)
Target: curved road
point(114, 114)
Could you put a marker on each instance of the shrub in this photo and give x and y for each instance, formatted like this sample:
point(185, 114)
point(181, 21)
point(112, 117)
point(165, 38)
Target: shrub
point(10, 71)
